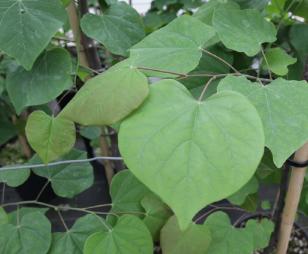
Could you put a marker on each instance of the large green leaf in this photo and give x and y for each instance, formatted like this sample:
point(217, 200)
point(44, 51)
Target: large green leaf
point(127, 192)
point(118, 29)
point(31, 235)
point(26, 27)
point(49, 77)
point(278, 61)
point(72, 241)
point(195, 239)
point(129, 235)
point(109, 97)
point(243, 30)
point(253, 4)
point(176, 47)
point(185, 151)
point(68, 180)
point(277, 103)
point(50, 137)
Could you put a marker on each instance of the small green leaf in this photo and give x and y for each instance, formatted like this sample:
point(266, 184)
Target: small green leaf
point(72, 241)
point(49, 77)
point(276, 103)
point(243, 30)
point(278, 61)
point(194, 136)
point(127, 192)
point(179, 51)
point(3, 216)
point(50, 137)
point(14, 178)
point(118, 29)
point(14, 217)
point(31, 235)
point(129, 235)
point(226, 238)
point(68, 180)
point(195, 239)
point(261, 232)
point(34, 22)
point(109, 97)
point(156, 214)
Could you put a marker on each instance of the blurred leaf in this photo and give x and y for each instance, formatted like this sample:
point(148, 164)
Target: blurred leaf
point(195, 239)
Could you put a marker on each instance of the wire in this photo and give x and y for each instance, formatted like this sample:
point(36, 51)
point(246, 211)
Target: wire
point(57, 163)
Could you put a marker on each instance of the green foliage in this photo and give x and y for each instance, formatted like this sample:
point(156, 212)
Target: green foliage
point(118, 29)
point(195, 239)
point(179, 51)
point(194, 136)
point(243, 30)
point(48, 78)
point(194, 133)
point(30, 234)
point(27, 26)
point(50, 137)
point(128, 235)
point(278, 61)
point(70, 179)
point(273, 104)
point(113, 94)
point(72, 241)
point(226, 238)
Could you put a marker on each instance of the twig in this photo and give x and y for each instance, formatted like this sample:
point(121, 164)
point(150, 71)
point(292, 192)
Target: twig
point(205, 87)
point(220, 59)
point(42, 190)
point(62, 220)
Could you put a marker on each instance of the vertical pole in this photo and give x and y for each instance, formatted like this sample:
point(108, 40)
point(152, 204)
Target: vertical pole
point(292, 200)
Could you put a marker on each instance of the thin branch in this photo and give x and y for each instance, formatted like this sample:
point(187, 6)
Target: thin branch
point(267, 64)
point(42, 190)
point(205, 88)
point(27, 166)
point(162, 71)
point(220, 59)
point(63, 221)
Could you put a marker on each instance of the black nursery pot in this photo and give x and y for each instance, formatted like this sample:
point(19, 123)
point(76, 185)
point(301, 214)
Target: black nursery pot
point(299, 238)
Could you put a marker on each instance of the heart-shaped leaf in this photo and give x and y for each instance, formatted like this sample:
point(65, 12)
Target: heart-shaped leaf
point(129, 235)
point(176, 47)
point(283, 109)
point(190, 152)
point(109, 97)
point(49, 77)
point(72, 241)
point(67, 180)
point(226, 238)
point(118, 29)
point(31, 235)
point(14, 178)
point(243, 30)
point(50, 137)
point(34, 22)
point(278, 61)
point(195, 239)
